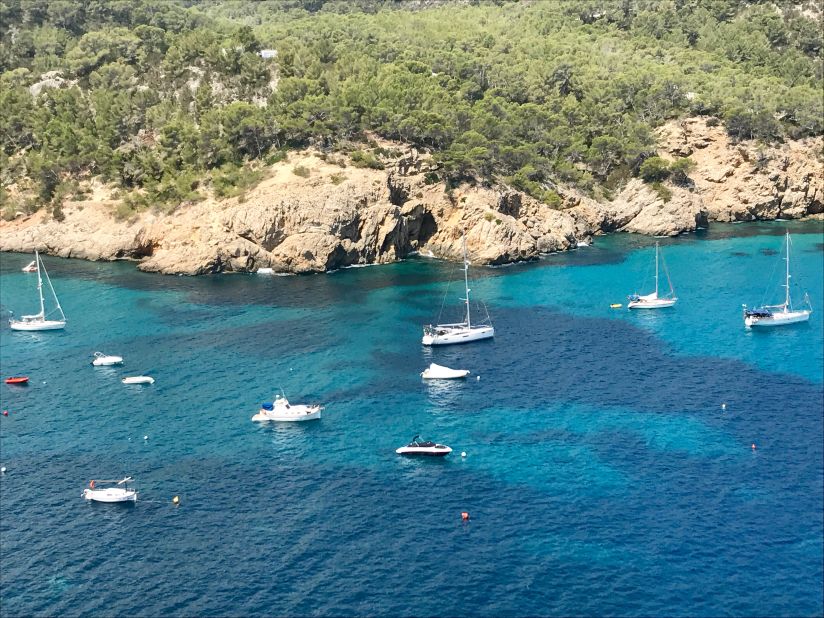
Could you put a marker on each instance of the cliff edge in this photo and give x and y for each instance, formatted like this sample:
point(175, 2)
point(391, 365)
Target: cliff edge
point(329, 216)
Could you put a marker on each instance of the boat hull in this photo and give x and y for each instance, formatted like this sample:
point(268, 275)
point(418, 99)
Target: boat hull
point(439, 372)
point(425, 451)
point(110, 495)
point(777, 319)
point(107, 361)
point(138, 380)
point(458, 335)
point(307, 414)
point(17, 380)
point(660, 303)
point(37, 325)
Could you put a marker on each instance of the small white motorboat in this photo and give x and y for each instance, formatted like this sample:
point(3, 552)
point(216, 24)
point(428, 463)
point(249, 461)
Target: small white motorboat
point(265, 271)
point(31, 267)
point(138, 380)
point(282, 410)
point(439, 372)
point(104, 360)
point(419, 447)
point(113, 491)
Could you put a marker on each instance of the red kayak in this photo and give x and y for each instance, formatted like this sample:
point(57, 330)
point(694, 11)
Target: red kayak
point(17, 380)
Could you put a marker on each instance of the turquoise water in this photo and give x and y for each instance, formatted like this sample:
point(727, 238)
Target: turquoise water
point(602, 475)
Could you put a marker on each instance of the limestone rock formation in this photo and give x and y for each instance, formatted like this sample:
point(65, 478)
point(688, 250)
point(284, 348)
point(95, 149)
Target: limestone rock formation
point(337, 217)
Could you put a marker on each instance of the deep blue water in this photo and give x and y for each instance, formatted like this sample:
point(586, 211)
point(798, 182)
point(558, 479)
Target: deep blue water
point(602, 475)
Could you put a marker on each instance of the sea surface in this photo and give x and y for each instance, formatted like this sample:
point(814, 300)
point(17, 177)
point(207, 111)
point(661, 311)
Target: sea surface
point(602, 475)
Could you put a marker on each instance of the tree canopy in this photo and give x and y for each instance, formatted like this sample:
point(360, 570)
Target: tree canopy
point(166, 95)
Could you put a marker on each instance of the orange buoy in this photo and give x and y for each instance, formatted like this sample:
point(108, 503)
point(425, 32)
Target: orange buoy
point(465, 516)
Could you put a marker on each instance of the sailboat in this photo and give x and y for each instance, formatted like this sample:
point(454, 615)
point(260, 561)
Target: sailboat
point(460, 332)
point(778, 315)
point(38, 321)
point(653, 301)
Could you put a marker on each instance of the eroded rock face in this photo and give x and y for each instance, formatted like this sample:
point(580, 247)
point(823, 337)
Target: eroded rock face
point(341, 217)
point(748, 181)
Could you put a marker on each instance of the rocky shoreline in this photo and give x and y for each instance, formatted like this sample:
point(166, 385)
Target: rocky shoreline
point(337, 217)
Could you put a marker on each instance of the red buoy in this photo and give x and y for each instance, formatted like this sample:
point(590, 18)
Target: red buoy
point(465, 516)
point(5, 412)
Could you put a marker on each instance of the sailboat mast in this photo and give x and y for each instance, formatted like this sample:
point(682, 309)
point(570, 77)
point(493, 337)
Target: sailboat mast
point(656, 270)
point(39, 284)
point(466, 281)
point(787, 282)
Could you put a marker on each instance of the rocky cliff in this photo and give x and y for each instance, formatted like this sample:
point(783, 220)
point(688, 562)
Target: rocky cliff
point(337, 217)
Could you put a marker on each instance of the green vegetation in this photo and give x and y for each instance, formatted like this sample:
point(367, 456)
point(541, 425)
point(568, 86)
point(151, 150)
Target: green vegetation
point(168, 98)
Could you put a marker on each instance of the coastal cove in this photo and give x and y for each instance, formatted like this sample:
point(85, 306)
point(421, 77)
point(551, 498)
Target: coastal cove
point(602, 474)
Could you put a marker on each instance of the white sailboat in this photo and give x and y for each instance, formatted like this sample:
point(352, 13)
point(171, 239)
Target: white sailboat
point(653, 300)
point(460, 332)
point(112, 492)
point(778, 315)
point(38, 321)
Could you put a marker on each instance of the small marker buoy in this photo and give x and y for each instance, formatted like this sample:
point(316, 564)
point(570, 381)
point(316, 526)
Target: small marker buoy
point(723, 406)
point(5, 412)
point(145, 437)
point(478, 378)
point(463, 453)
point(176, 500)
point(753, 446)
point(464, 516)
point(3, 470)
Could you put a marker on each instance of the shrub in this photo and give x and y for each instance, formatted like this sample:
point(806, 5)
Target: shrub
point(231, 180)
point(337, 178)
point(654, 169)
point(680, 170)
point(302, 171)
point(664, 193)
point(361, 158)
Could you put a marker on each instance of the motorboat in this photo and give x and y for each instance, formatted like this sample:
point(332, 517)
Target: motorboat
point(266, 271)
point(419, 447)
point(653, 300)
point(105, 360)
point(112, 491)
point(39, 321)
point(459, 332)
point(779, 315)
point(439, 372)
point(17, 380)
point(138, 380)
point(282, 410)
point(31, 267)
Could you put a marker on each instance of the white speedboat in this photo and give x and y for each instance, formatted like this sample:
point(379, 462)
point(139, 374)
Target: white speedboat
point(282, 410)
point(653, 300)
point(778, 315)
point(419, 447)
point(459, 332)
point(439, 372)
point(38, 321)
point(31, 267)
point(112, 491)
point(138, 380)
point(266, 271)
point(105, 360)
